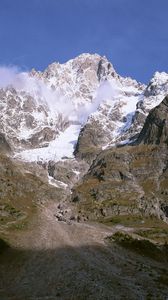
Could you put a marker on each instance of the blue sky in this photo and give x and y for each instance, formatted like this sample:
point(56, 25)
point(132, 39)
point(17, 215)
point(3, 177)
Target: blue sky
point(133, 34)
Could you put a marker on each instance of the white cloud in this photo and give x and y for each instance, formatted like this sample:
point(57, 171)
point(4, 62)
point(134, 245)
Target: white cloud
point(8, 75)
point(11, 76)
point(57, 103)
point(107, 90)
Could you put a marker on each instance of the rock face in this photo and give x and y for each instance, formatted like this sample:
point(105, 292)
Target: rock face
point(4, 145)
point(91, 137)
point(121, 115)
point(27, 120)
point(155, 130)
point(125, 181)
point(68, 171)
point(130, 180)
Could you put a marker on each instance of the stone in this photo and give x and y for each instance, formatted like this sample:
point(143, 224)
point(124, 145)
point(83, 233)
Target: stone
point(155, 130)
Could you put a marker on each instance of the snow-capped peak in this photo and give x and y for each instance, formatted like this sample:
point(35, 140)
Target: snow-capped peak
point(160, 78)
point(38, 107)
point(158, 84)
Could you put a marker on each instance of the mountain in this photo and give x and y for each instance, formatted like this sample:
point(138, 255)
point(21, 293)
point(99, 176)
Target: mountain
point(39, 110)
point(129, 180)
point(120, 123)
point(66, 116)
point(155, 130)
point(83, 183)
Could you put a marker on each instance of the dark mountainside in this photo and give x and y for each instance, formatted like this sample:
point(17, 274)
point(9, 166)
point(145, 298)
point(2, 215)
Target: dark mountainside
point(155, 130)
point(130, 180)
point(93, 225)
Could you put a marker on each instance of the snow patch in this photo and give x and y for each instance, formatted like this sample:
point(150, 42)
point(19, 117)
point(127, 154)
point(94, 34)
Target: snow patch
point(56, 183)
point(58, 149)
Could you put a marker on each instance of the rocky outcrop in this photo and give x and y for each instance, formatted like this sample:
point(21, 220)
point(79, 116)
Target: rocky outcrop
point(125, 181)
point(155, 130)
point(4, 145)
point(105, 69)
point(90, 141)
point(43, 137)
point(68, 171)
point(114, 122)
point(130, 180)
point(151, 97)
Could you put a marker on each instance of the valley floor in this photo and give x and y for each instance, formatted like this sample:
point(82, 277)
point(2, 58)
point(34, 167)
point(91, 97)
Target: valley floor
point(56, 260)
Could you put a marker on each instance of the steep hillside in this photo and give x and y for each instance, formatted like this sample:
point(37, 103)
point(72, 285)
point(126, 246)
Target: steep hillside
point(23, 190)
point(129, 180)
point(121, 116)
point(155, 130)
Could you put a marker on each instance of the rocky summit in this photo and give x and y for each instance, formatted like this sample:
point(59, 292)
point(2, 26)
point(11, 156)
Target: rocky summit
point(83, 184)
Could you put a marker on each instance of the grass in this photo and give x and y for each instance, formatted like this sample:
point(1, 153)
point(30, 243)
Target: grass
point(11, 210)
point(147, 227)
point(142, 246)
point(159, 234)
point(131, 220)
point(18, 192)
point(20, 226)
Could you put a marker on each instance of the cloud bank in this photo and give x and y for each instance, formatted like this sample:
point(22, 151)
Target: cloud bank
point(8, 75)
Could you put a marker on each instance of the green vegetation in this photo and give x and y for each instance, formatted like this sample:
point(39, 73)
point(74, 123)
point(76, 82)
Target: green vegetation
point(17, 194)
point(159, 234)
point(131, 220)
point(20, 226)
point(147, 227)
point(140, 246)
point(11, 210)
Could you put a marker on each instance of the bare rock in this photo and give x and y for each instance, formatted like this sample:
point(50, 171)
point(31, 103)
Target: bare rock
point(155, 130)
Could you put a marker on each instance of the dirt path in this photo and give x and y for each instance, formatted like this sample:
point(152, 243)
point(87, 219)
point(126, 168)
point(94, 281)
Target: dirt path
point(60, 261)
point(49, 233)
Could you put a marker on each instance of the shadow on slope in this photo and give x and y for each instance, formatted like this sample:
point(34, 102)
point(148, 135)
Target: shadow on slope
point(88, 272)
